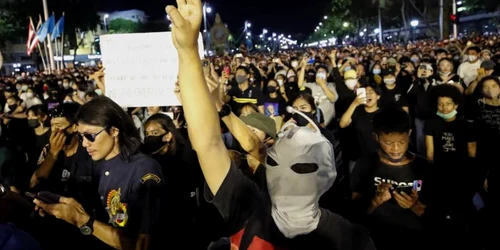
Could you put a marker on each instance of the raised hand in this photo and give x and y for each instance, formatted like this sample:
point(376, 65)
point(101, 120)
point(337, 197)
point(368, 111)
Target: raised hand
point(186, 20)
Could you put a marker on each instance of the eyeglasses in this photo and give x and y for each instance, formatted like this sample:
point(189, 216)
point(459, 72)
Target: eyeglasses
point(90, 137)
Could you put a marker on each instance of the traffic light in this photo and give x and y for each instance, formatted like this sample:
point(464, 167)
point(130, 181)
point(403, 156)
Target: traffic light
point(454, 18)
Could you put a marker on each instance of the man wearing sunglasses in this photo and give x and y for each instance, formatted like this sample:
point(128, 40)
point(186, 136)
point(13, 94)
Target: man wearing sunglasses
point(66, 169)
point(131, 185)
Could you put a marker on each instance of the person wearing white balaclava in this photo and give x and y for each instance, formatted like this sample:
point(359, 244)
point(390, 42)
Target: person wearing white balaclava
point(299, 167)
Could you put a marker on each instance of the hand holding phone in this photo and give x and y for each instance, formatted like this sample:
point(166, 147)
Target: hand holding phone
point(361, 93)
point(45, 197)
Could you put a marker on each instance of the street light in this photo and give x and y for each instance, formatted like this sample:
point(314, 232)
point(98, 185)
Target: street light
point(376, 31)
point(414, 23)
point(361, 33)
point(106, 16)
point(325, 17)
point(289, 36)
point(320, 24)
point(249, 33)
point(264, 31)
point(274, 34)
point(206, 10)
point(345, 24)
point(249, 25)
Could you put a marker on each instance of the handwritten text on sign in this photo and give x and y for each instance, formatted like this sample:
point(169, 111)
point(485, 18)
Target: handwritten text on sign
point(141, 69)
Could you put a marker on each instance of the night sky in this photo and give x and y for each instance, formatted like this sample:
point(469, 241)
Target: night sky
point(280, 16)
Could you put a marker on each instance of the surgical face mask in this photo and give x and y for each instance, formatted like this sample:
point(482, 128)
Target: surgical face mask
point(444, 73)
point(295, 184)
point(29, 95)
point(280, 82)
point(295, 64)
point(414, 59)
point(321, 75)
point(241, 79)
point(492, 93)
point(65, 85)
point(390, 81)
point(33, 123)
point(347, 68)
point(59, 83)
point(351, 83)
point(447, 116)
point(153, 144)
point(471, 58)
point(377, 71)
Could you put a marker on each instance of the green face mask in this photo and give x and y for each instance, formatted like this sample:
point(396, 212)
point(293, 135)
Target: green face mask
point(447, 116)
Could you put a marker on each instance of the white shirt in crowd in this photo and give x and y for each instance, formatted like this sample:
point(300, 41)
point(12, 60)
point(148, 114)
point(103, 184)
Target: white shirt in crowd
point(468, 71)
point(322, 101)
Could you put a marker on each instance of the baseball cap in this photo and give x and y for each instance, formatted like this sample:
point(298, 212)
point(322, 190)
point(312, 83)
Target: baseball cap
point(261, 122)
point(488, 65)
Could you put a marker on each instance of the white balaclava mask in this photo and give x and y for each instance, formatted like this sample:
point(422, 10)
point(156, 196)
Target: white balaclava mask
point(300, 167)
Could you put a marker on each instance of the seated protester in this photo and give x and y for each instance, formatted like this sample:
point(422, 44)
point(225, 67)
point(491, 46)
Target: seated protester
point(130, 182)
point(180, 167)
point(392, 94)
point(391, 187)
point(64, 168)
point(451, 145)
point(287, 215)
point(360, 115)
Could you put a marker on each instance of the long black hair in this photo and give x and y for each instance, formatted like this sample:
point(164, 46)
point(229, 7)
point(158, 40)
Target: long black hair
point(166, 124)
point(104, 112)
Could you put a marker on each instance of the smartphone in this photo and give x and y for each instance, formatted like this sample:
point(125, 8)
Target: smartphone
point(362, 92)
point(406, 190)
point(311, 61)
point(44, 196)
point(227, 70)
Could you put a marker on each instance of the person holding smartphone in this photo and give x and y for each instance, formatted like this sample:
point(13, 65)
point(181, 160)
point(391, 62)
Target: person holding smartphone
point(391, 187)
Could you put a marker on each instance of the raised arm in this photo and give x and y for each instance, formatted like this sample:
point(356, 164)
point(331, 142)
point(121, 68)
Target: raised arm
point(199, 111)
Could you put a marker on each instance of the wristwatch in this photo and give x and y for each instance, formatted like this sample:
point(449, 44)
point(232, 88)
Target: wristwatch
point(88, 228)
point(225, 111)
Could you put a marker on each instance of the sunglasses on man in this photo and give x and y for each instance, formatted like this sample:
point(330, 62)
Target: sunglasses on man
point(90, 137)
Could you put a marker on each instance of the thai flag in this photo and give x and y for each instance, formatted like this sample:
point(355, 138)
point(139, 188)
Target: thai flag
point(31, 35)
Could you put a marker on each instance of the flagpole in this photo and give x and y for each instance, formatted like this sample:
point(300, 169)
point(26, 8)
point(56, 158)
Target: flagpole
point(62, 46)
point(49, 42)
point(56, 54)
point(41, 55)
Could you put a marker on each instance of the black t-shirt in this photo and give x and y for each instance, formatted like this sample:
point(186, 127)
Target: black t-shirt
point(251, 95)
point(391, 223)
point(362, 124)
point(131, 192)
point(275, 106)
point(450, 140)
point(393, 97)
point(246, 208)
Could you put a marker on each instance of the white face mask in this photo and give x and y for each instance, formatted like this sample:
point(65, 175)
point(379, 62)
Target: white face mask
point(351, 83)
point(280, 82)
point(471, 58)
point(295, 64)
point(295, 196)
point(321, 75)
point(29, 95)
point(390, 81)
point(65, 85)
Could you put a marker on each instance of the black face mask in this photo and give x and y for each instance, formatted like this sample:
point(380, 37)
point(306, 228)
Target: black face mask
point(153, 144)
point(12, 108)
point(271, 89)
point(301, 121)
point(33, 123)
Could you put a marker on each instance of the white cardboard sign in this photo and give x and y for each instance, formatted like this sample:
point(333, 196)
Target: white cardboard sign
point(141, 68)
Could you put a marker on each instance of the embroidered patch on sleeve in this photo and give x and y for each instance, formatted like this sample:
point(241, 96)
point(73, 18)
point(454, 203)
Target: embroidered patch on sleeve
point(150, 177)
